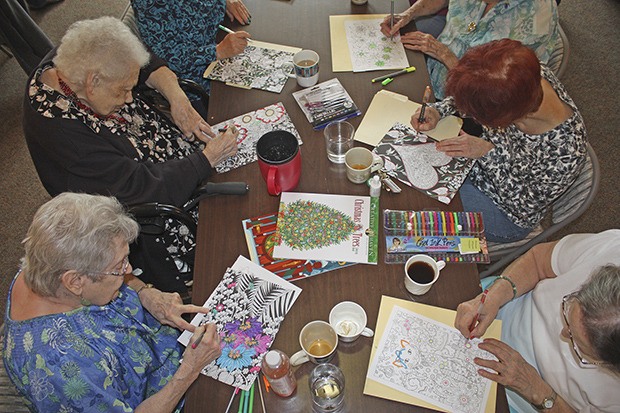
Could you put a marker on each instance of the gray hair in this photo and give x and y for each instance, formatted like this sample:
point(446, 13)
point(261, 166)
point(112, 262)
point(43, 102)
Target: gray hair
point(600, 303)
point(105, 46)
point(73, 232)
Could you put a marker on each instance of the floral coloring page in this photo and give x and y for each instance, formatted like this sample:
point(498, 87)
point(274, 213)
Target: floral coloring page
point(431, 361)
point(412, 158)
point(247, 306)
point(371, 50)
point(257, 67)
point(251, 127)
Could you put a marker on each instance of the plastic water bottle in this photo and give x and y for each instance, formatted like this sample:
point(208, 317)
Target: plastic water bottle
point(277, 369)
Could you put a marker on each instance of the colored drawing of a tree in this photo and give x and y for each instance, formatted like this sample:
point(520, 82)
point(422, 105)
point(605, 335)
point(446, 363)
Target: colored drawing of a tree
point(306, 225)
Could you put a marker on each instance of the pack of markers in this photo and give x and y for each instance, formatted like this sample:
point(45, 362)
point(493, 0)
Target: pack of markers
point(444, 235)
point(326, 102)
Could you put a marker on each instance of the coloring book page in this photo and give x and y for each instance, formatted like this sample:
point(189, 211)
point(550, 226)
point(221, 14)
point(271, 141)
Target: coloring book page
point(431, 361)
point(247, 306)
point(251, 127)
point(327, 227)
point(372, 50)
point(260, 66)
point(411, 157)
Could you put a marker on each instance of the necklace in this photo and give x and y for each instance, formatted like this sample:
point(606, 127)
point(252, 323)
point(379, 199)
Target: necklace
point(68, 92)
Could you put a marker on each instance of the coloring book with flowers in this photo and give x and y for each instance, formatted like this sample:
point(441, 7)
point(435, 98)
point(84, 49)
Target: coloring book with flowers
point(248, 306)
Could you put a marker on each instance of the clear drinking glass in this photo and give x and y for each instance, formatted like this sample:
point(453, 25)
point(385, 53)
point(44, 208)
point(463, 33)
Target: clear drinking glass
point(327, 388)
point(338, 140)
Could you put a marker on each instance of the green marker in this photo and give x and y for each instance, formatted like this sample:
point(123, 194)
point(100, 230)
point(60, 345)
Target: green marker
point(386, 81)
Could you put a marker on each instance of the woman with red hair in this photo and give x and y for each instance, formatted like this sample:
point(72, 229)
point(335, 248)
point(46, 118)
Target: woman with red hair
point(533, 141)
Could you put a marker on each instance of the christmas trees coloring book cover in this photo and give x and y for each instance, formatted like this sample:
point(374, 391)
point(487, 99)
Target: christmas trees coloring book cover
point(327, 227)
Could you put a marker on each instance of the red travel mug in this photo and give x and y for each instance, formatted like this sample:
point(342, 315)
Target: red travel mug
point(279, 160)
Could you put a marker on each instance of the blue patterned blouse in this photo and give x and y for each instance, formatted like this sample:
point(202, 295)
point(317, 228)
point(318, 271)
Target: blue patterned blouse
point(182, 32)
point(533, 22)
point(92, 359)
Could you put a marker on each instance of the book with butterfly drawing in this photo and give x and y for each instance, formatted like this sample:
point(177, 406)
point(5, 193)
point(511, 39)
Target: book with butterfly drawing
point(411, 157)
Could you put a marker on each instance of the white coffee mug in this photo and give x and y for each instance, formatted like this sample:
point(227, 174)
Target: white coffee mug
point(421, 272)
point(361, 163)
point(349, 321)
point(318, 342)
point(305, 68)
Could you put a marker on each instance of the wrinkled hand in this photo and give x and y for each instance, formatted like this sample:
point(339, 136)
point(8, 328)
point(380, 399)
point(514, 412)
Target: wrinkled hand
point(168, 308)
point(431, 118)
point(235, 9)
point(232, 45)
point(188, 120)
point(400, 21)
point(466, 315)
point(205, 352)
point(222, 146)
point(465, 145)
point(427, 44)
point(512, 371)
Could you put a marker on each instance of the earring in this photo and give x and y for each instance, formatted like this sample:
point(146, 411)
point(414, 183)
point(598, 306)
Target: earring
point(84, 301)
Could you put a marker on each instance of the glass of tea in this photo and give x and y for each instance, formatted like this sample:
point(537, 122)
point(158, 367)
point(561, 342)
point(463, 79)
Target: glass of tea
point(327, 388)
point(421, 272)
point(318, 342)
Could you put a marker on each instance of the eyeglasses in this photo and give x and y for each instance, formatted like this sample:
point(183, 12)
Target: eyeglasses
point(121, 273)
point(565, 307)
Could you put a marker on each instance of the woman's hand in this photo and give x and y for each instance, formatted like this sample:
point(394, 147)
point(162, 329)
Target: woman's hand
point(427, 44)
point(466, 316)
point(430, 121)
point(168, 308)
point(465, 146)
point(222, 146)
point(235, 9)
point(204, 352)
point(232, 45)
point(400, 21)
point(511, 370)
point(190, 122)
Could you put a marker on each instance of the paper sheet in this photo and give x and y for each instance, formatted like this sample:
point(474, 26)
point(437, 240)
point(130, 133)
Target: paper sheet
point(387, 108)
point(375, 388)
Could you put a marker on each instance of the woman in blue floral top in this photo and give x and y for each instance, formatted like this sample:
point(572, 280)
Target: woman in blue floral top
point(83, 334)
point(533, 144)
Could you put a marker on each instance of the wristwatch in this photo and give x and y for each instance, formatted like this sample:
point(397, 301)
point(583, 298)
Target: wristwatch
point(547, 402)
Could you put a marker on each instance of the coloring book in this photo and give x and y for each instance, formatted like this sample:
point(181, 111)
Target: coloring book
point(372, 50)
point(259, 234)
point(411, 157)
point(252, 126)
point(420, 359)
point(327, 227)
point(248, 306)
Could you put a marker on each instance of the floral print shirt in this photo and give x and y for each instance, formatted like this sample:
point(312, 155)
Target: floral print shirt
point(525, 173)
point(532, 22)
point(92, 359)
point(182, 32)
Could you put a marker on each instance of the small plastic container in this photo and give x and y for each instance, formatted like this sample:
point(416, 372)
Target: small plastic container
point(375, 186)
point(276, 367)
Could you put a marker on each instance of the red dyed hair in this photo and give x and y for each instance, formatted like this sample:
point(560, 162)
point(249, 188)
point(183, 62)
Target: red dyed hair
point(496, 83)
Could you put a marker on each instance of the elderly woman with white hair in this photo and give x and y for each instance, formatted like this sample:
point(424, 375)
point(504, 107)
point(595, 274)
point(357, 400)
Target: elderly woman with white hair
point(83, 334)
point(86, 132)
point(560, 310)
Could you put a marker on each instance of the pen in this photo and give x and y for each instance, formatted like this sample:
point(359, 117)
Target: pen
point(400, 72)
point(262, 399)
point(392, 19)
point(199, 339)
point(232, 398)
point(425, 99)
point(251, 397)
point(480, 307)
point(227, 30)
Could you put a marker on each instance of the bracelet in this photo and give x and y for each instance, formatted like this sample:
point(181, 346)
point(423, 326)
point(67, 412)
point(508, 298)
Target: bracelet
point(514, 287)
point(143, 287)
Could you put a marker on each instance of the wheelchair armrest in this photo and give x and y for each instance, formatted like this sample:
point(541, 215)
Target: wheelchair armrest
point(151, 217)
point(189, 85)
point(213, 188)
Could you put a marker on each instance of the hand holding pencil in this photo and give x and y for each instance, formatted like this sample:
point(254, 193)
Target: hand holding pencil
point(473, 317)
point(204, 347)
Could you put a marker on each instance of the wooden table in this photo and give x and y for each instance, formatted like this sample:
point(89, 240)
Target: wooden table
point(305, 23)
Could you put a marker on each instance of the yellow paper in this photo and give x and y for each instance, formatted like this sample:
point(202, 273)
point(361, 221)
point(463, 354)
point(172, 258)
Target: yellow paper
point(388, 108)
point(469, 245)
point(374, 388)
point(341, 59)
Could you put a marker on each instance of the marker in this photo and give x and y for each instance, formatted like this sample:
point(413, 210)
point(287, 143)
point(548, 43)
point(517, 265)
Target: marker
point(386, 81)
point(480, 307)
point(392, 19)
point(199, 339)
point(227, 30)
point(392, 75)
point(425, 98)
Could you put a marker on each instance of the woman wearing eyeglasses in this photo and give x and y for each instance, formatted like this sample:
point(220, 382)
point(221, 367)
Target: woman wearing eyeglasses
point(560, 310)
point(83, 334)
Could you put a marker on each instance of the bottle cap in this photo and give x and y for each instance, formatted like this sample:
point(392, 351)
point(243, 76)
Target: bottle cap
point(273, 358)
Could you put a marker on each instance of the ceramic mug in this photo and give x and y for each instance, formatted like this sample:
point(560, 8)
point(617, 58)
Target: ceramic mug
point(421, 272)
point(318, 342)
point(349, 321)
point(361, 163)
point(279, 160)
point(306, 68)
